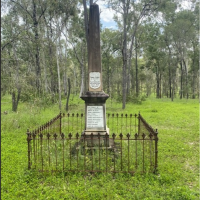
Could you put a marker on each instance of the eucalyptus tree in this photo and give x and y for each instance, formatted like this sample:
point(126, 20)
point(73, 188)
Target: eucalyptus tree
point(27, 40)
point(110, 48)
point(59, 22)
point(130, 15)
point(12, 57)
point(30, 13)
point(155, 53)
point(78, 42)
point(193, 53)
point(182, 32)
point(56, 18)
point(194, 56)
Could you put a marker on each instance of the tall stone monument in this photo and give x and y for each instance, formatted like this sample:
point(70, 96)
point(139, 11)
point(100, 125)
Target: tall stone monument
point(95, 98)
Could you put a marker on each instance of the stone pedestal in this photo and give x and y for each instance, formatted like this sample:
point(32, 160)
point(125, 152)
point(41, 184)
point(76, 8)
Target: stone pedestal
point(95, 115)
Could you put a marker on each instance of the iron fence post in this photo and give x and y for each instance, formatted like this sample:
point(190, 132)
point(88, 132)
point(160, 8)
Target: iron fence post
point(121, 136)
point(128, 136)
point(136, 138)
point(77, 148)
point(113, 136)
point(99, 151)
point(107, 145)
point(156, 151)
point(62, 137)
point(143, 138)
point(70, 156)
point(41, 138)
point(139, 124)
point(29, 151)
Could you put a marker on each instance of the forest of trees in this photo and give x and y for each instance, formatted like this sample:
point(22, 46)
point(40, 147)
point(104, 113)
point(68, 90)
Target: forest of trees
point(154, 50)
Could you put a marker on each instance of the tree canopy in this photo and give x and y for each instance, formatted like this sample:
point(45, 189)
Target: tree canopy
point(153, 50)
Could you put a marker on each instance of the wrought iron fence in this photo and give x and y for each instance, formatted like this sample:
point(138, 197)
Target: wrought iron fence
point(61, 145)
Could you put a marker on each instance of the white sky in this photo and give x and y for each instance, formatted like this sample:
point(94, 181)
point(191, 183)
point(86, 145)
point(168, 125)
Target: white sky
point(106, 16)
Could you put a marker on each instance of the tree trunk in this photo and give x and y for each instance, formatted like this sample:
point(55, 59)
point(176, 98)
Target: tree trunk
point(170, 82)
point(129, 66)
point(186, 82)
point(75, 81)
point(58, 71)
point(65, 82)
point(45, 73)
point(15, 100)
point(160, 95)
point(50, 60)
point(67, 103)
point(193, 72)
point(172, 94)
point(136, 70)
point(37, 58)
point(181, 88)
point(124, 85)
point(170, 75)
point(193, 81)
point(82, 79)
point(157, 83)
point(124, 55)
point(128, 76)
point(65, 72)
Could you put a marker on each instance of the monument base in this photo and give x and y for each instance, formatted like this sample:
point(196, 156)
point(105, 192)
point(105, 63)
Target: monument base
point(94, 97)
point(96, 132)
point(94, 138)
point(95, 119)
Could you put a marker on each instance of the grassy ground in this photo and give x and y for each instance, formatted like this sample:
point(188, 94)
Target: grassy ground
point(178, 155)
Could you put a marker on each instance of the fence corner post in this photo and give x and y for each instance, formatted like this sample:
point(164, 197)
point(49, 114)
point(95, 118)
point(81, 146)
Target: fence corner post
point(139, 123)
point(156, 151)
point(29, 147)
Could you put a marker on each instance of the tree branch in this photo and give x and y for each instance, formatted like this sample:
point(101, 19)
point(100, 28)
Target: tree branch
point(23, 8)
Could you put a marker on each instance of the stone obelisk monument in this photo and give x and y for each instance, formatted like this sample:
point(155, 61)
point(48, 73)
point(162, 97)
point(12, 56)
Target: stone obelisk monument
point(95, 98)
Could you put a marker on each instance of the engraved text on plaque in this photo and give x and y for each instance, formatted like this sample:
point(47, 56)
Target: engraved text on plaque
point(95, 117)
point(95, 81)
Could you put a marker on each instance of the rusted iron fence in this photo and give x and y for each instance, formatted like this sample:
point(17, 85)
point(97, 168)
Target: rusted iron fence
point(61, 145)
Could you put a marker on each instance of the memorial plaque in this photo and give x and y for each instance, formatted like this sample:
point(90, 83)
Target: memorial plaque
point(95, 117)
point(95, 80)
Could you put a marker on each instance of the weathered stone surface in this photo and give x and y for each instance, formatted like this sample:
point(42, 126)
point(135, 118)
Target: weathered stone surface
point(94, 56)
point(95, 97)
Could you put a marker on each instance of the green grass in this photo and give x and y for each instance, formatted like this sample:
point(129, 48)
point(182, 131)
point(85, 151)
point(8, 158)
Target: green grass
point(178, 155)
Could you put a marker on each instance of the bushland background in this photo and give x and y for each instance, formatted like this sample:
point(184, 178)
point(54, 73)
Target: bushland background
point(150, 64)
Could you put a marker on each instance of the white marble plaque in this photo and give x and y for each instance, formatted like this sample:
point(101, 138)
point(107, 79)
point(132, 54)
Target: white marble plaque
point(95, 80)
point(95, 117)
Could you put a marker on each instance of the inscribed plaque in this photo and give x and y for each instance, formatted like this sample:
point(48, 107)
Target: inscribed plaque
point(95, 81)
point(95, 117)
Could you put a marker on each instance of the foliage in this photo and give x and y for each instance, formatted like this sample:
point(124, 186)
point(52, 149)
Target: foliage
point(132, 99)
point(44, 44)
